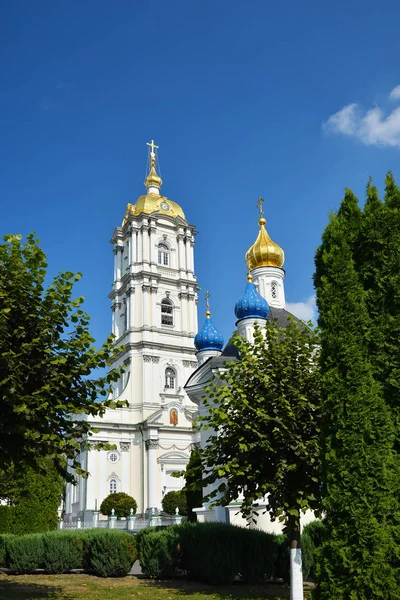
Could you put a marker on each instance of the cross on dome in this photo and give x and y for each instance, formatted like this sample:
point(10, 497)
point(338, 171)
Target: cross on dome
point(259, 206)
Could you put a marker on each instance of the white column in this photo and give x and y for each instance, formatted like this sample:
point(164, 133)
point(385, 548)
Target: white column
point(132, 246)
point(181, 254)
point(146, 303)
point(125, 483)
point(119, 262)
point(139, 254)
point(145, 243)
point(153, 500)
point(152, 243)
point(131, 312)
point(115, 262)
point(184, 319)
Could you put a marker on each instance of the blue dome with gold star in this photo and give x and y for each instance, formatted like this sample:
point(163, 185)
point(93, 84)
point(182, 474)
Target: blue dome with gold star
point(251, 304)
point(209, 338)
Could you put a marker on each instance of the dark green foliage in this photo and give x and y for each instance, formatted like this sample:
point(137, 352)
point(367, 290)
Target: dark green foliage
point(361, 477)
point(282, 563)
point(193, 484)
point(24, 553)
point(102, 552)
point(3, 552)
point(120, 502)
point(159, 552)
point(63, 551)
point(46, 359)
point(6, 515)
point(312, 539)
point(112, 554)
point(173, 500)
point(36, 498)
point(210, 552)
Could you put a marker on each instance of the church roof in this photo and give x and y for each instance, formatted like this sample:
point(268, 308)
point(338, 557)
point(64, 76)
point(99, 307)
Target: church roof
point(230, 352)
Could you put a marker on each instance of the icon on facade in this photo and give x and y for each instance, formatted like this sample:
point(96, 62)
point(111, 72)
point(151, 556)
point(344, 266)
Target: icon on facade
point(173, 417)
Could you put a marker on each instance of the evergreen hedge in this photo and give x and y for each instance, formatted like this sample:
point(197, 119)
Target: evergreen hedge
point(6, 514)
point(103, 553)
point(212, 553)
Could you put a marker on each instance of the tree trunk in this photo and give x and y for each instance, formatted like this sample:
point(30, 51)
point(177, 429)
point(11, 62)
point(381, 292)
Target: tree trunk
point(296, 573)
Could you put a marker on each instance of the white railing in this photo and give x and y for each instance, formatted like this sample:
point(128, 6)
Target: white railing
point(132, 524)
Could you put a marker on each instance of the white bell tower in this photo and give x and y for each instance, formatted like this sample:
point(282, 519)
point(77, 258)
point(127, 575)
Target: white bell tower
point(154, 320)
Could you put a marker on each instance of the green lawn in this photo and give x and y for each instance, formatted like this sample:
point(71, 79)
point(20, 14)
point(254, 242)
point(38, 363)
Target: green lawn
point(71, 587)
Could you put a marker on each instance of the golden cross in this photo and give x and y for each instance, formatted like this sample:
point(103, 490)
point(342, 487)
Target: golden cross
point(259, 205)
point(207, 297)
point(152, 146)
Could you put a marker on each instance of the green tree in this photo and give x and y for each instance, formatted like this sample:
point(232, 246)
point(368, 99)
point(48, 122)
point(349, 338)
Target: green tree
point(264, 417)
point(47, 357)
point(193, 484)
point(121, 502)
point(173, 500)
point(359, 474)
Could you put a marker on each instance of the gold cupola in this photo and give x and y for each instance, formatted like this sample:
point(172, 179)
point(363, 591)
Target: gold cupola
point(153, 201)
point(264, 252)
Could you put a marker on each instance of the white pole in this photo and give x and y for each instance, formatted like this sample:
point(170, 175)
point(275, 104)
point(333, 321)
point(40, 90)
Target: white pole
point(296, 575)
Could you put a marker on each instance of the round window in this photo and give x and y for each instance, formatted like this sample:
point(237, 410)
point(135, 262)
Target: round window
point(113, 457)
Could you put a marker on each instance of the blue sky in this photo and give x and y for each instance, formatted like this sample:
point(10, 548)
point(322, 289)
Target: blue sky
point(289, 101)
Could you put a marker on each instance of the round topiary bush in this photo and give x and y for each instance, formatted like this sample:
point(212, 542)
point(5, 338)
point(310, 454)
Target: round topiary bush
point(120, 502)
point(174, 500)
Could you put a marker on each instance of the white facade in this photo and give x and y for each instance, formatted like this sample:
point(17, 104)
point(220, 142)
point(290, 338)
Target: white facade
point(154, 316)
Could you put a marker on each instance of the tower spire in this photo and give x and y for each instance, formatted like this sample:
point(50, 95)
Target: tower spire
point(153, 181)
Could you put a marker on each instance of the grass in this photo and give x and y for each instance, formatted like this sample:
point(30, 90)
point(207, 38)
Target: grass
point(77, 587)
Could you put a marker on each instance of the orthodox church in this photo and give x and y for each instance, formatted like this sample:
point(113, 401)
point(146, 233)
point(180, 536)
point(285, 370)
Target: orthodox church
point(168, 362)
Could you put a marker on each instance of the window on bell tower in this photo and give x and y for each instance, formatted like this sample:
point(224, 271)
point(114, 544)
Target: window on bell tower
point(167, 315)
point(274, 290)
point(163, 254)
point(170, 378)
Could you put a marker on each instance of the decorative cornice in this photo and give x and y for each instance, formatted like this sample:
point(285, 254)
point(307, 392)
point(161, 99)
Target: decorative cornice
point(190, 363)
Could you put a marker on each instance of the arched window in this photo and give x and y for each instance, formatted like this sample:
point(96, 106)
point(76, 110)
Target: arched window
point(170, 378)
point(163, 254)
point(167, 317)
point(274, 289)
point(113, 485)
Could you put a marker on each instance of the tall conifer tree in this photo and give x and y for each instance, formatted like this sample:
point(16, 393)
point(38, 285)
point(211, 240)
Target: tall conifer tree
point(357, 562)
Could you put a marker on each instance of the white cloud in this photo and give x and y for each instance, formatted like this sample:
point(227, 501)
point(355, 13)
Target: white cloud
point(371, 127)
point(395, 93)
point(307, 311)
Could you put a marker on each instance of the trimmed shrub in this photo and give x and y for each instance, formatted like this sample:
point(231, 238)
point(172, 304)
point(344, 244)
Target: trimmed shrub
point(3, 553)
point(120, 502)
point(282, 563)
point(210, 552)
point(6, 515)
point(159, 552)
point(24, 553)
point(173, 500)
point(112, 554)
point(63, 551)
point(312, 538)
point(259, 552)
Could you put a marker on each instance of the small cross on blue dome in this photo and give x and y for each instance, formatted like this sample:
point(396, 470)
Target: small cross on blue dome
point(208, 337)
point(251, 304)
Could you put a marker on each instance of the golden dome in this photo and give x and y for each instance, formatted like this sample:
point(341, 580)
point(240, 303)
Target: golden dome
point(153, 201)
point(153, 179)
point(264, 252)
point(150, 203)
